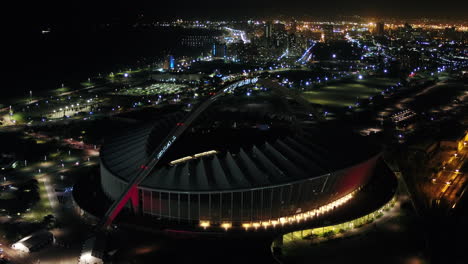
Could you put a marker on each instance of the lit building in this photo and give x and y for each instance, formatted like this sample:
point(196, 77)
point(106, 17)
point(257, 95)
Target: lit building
point(268, 30)
point(294, 27)
point(379, 29)
point(197, 40)
point(219, 50)
point(34, 241)
point(327, 32)
point(169, 63)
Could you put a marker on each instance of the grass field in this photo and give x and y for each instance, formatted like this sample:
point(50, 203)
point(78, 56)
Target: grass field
point(60, 90)
point(348, 93)
point(18, 117)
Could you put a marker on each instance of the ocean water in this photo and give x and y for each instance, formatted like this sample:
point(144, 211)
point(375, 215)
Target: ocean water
point(70, 55)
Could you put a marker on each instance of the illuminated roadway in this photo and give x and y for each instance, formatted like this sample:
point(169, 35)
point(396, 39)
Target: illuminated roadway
point(237, 32)
point(131, 192)
point(452, 181)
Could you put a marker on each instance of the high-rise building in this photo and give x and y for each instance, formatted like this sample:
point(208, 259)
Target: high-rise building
point(218, 50)
point(294, 27)
point(280, 35)
point(197, 40)
point(291, 41)
point(450, 33)
point(327, 32)
point(268, 30)
point(379, 29)
point(169, 62)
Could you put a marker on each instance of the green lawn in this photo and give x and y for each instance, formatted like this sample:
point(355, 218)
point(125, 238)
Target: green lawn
point(340, 95)
point(345, 94)
point(61, 90)
point(379, 82)
point(19, 117)
point(4, 195)
point(86, 84)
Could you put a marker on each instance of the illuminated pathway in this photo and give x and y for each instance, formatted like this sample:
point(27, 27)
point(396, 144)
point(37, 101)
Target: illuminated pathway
point(50, 192)
point(238, 33)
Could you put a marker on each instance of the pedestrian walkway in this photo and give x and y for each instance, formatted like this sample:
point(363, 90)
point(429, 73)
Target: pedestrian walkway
point(54, 203)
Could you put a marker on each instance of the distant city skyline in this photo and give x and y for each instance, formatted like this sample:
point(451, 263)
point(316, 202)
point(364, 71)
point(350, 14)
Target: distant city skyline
point(92, 12)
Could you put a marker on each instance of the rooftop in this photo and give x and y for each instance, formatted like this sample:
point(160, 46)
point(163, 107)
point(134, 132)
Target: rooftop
point(250, 146)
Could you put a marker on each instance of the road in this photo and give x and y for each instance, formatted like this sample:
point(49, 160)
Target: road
point(449, 183)
point(62, 252)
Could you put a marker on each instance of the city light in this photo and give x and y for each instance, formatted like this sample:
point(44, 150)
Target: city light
point(226, 225)
point(292, 219)
point(234, 127)
point(204, 224)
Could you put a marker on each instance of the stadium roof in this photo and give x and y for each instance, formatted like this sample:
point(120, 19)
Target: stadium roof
point(234, 150)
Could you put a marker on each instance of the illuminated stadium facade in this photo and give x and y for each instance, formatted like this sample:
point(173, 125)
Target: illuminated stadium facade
point(244, 162)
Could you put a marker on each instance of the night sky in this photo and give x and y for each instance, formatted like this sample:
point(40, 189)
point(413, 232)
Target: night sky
point(86, 11)
point(69, 50)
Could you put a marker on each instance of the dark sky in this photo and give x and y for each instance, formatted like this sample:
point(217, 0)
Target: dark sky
point(73, 11)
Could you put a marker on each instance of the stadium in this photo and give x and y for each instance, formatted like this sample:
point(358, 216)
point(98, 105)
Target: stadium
point(245, 162)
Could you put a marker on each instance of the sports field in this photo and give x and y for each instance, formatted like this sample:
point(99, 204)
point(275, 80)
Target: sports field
point(347, 93)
